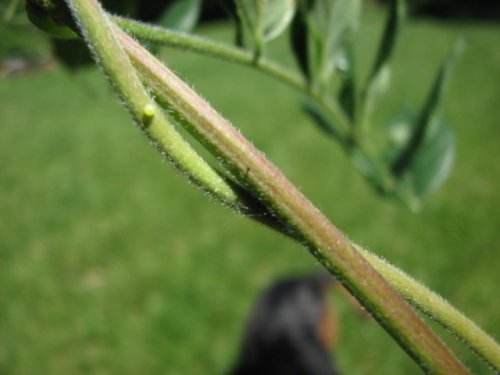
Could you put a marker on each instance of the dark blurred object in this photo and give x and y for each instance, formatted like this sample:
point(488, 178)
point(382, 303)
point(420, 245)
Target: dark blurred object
point(73, 54)
point(291, 330)
point(487, 10)
point(217, 10)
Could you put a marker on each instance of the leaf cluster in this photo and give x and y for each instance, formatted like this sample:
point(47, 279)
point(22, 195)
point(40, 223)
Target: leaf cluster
point(420, 147)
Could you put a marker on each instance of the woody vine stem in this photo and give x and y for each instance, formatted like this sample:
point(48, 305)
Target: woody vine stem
point(252, 185)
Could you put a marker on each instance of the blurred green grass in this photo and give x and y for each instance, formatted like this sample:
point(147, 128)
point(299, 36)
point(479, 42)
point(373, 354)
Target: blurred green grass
point(111, 264)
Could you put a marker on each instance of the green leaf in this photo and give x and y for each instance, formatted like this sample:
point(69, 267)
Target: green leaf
point(347, 93)
point(433, 162)
point(398, 129)
point(239, 37)
point(181, 15)
point(250, 16)
point(419, 131)
point(229, 7)
point(46, 22)
point(377, 87)
point(299, 42)
point(249, 13)
point(265, 19)
point(378, 80)
point(320, 31)
point(276, 17)
point(342, 20)
point(389, 37)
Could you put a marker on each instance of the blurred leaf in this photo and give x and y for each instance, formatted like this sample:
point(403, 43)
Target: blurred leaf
point(398, 131)
point(41, 19)
point(389, 37)
point(419, 131)
point(265, 19)
point(347, 93)
point(276, 17)
point(300, 42)
point(230, 8)
point(379, 77)
point(320, 31)
point(250, 15)
point(249, 12)
point(341, 22)
point(240, 34)
point(320, 118)
point(367, 168)
point(433, 162)
point(378, 86)
point(182, 15)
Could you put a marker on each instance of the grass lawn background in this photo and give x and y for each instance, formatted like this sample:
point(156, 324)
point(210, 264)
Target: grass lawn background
point(111, 264)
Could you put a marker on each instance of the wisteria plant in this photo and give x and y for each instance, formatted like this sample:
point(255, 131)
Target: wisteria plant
point(246, 181)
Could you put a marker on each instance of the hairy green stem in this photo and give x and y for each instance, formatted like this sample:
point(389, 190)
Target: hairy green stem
point(144, 110)
point(229, 53)
point(324, 241)
point(437, 308)
point(207, 47)
point(417, 294)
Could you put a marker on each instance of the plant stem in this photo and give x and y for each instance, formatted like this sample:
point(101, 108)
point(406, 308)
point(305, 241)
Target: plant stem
point(207, 47)
point(322, 239)
point(229, 53)
point(148, 115)
point(437, 308)
point(415, 293)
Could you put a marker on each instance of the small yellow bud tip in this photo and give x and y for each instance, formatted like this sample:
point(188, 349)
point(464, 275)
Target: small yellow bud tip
point(149, 110)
